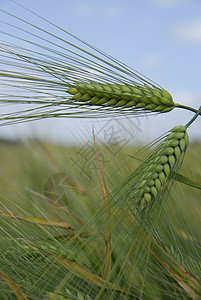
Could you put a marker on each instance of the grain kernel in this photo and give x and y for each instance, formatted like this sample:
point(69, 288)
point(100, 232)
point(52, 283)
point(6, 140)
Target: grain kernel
point(154, 175)
point(169, 150)
point(167, 169)
point(85, 97)
point(162, 177)
point(72, 91)
point(165, 101)
point(151, 182)
point(157, 184)
point(147, 196)
point(142, 183)
point(182, 144)
point(177, 152)
point(147, 189)
point(120, 103)
point(163, 160)
point(112, 102)
point(130, 103)
point(171, 160)
point(179, 128)
point(154, 191)
point(140, 105)
point(77, 96)
point(159, 168)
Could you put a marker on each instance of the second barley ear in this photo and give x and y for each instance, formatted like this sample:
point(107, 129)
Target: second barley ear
point(159, 167)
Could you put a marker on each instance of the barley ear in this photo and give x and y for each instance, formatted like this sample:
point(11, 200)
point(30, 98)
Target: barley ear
point(135, 97)
point(159, 167)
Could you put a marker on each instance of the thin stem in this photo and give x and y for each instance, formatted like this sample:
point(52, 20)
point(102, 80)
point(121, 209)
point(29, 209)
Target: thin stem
point(187, 108)
point(194, 117)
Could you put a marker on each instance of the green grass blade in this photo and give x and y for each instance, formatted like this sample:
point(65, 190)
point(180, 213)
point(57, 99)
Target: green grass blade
point(183, 179)
point(82, 272)
point(19, 293)
point(108, 259)
point(38, 221)
point(188, 283)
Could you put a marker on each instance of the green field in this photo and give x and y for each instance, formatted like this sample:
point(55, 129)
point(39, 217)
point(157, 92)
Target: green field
point(61, 184)
point(70, 173)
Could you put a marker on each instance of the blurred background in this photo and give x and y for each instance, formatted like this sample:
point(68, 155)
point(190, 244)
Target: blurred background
point(159, 38)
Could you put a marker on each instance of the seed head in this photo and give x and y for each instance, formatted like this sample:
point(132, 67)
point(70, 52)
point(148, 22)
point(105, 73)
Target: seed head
point(124, 96)
point(160, 166)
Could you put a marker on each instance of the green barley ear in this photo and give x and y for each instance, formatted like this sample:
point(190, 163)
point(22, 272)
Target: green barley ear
point(63, 76)
point(136, 97)
point(158, 169)
point(156, 172)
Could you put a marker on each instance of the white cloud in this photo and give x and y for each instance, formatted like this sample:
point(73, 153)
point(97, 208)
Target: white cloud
point(167, 3)
point(91, 9)
point(187, 98)
point(152, 60)
point(189, 32)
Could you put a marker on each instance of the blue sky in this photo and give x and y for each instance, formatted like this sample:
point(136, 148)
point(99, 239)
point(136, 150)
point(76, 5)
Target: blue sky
point(159, 38)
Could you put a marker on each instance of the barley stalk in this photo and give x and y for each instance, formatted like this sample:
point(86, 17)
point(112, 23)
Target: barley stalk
point(58, 75)
point(127, 96)
point(54, 76)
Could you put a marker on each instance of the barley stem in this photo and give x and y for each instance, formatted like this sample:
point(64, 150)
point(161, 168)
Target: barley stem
point(194, 117)
point(187, 108)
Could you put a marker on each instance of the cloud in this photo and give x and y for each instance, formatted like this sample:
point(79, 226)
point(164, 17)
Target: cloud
point(167, 3)
point(189, 32)
point(91, 9)
point(187, 98)
point(152, 60)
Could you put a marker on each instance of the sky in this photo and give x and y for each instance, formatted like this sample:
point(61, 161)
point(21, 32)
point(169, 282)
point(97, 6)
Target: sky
point(159, 38)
